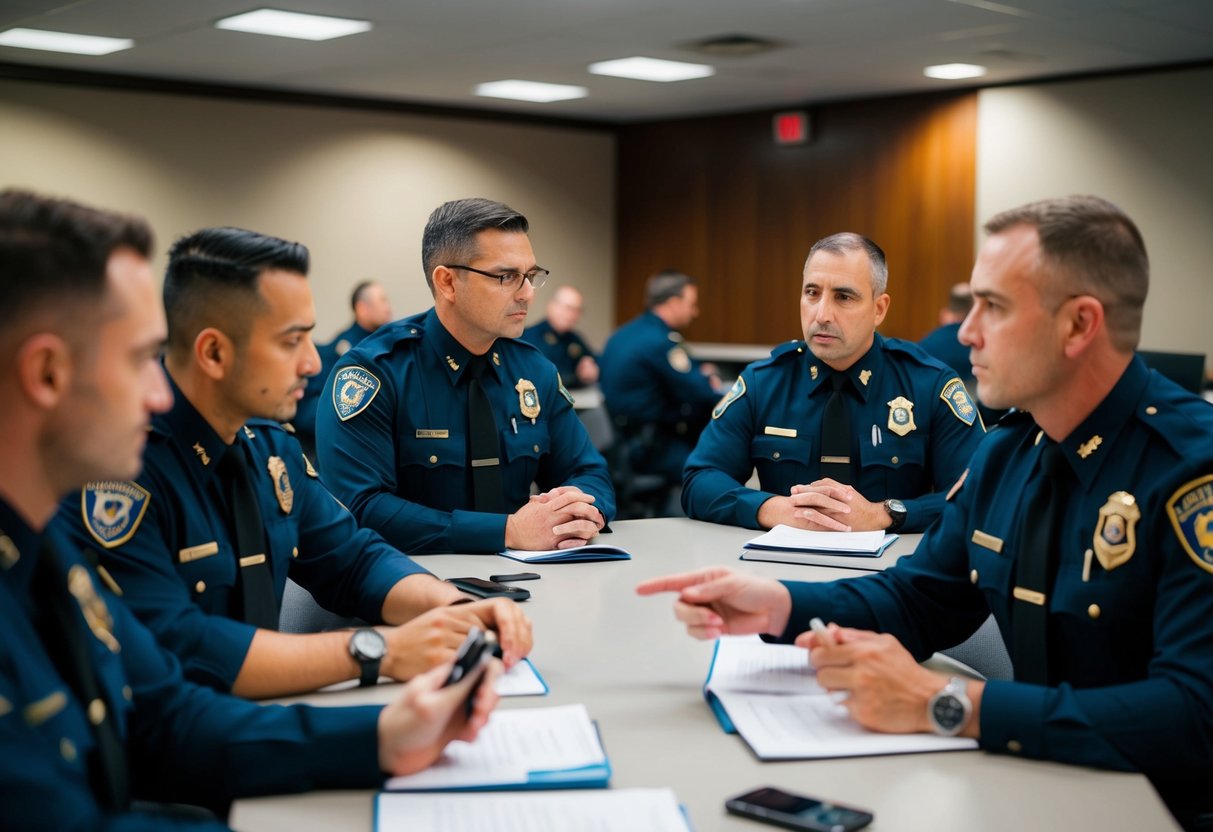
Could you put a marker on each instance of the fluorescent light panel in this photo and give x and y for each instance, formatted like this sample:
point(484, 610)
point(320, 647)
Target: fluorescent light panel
point(293, 25)
point(530, 91)
point(63, 42)
point(953, 72)
point(652, 69)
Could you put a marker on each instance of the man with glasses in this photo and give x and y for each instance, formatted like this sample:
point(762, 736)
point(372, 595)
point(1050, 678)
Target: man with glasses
point(436, 426)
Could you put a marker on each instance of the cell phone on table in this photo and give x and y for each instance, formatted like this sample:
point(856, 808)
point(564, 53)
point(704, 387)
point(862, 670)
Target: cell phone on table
point(796, 811)
point(490, 589)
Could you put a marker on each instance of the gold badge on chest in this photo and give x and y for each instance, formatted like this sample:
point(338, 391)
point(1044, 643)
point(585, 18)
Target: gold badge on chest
point(282, 483)
point(528, 398)
point(901, 416)
point(1116, 532)
point(96, 613)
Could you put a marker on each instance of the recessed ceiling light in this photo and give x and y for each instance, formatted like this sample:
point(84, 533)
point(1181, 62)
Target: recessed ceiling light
point(952, 72)
point(293, 25)
point(63, 42)
point(652, 69)
point(530, 91)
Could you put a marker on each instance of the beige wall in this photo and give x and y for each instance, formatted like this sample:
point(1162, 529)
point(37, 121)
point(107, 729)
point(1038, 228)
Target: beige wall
point(1146, 143)
point(355, 186)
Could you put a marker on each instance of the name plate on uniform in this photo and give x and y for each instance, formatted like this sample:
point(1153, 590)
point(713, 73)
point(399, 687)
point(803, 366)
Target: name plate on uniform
point(433, 434)
point(192, 553)
point(774, 431)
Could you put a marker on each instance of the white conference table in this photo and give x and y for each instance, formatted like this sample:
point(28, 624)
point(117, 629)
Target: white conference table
point(630, 662)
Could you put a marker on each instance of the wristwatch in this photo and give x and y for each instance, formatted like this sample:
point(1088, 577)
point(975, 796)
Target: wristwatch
point(368, 647)
point(897, 510)
point(950, 709)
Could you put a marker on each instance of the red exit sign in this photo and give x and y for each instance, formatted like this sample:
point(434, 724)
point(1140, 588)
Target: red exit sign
point(791, 127)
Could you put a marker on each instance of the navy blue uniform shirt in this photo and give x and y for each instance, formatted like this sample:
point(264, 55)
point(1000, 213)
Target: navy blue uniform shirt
point(1130, 609)
point(913, 429)
point(944, 343)
point(392, 436)
point(564, 349)
point(165, 538)
point(184, 743)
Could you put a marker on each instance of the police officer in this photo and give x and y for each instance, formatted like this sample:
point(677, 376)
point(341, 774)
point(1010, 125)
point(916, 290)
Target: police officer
point(93, 712)
point(557, 338)
point(437, 425)
point(227, 507)
point(372, 309)
point(657, 394)
point(904, 424)
point(1083, 523)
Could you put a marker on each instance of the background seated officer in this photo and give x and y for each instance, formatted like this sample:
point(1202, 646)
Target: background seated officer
point(438, 424)
point(943, 342)
point(226, 506)
point(652, 387)
point(1084, 527)
point(557, 338)
point(372, 309)
point(877, 454)
point(93, 712)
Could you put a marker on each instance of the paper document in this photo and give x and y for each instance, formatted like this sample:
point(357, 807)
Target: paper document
point(768, 693)
point(790, 539)
point(520, 748)
point(616, 810)
point(573, 554)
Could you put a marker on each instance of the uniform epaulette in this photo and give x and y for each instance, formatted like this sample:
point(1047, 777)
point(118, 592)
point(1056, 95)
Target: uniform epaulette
point(781, 353)
point(1180, 418)
point(388, 338)
point(266, 424)
point(914, 352)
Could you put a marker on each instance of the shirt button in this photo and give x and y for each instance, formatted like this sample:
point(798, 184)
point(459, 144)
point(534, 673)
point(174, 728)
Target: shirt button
point(68, 749)
point(1014, 746)
point(1151, 410)
point(535, 448)
point(895, 460)
point(433, 459)
point(1094, 611)
point(127, 693)
point(973, 577)
point(200, 587)
point(775, 455)
point(96, 712)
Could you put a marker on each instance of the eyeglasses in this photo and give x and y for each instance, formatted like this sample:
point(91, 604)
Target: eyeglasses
point(510, 280)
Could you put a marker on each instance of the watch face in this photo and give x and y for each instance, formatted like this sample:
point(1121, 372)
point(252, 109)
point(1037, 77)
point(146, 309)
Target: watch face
point(367, 644)
point(897, 506)
point(948, 711)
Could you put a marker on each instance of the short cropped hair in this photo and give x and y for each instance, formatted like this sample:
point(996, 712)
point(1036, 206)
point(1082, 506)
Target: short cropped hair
point(450, 233)
point(960, 299)
point(848, 241)
point(665, 285)
point(1088, 246)
point(54, 252)
point(359, 292)
point(211, 281)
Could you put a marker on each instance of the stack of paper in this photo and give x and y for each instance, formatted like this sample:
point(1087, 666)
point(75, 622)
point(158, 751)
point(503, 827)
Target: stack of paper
point(522, 748)
point(573, 554)
point(768, 693)
point(622, 810)
point(787, 544)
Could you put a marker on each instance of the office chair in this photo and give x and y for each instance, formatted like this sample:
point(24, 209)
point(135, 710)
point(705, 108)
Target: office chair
point(1187, 369)
point(636, 495)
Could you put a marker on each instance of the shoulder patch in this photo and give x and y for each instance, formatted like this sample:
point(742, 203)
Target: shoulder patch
point(1191, 511)
point(354, 388)
point(112, 511)
point(564, 390)
point(679, 359)
point(959, 401)
point(735, 393)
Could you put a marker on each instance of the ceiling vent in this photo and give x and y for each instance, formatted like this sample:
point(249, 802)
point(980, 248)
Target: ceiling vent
point(733, 46)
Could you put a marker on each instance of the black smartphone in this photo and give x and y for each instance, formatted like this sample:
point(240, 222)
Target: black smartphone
point(490, 589)
point(795, 811)
point(515, 576)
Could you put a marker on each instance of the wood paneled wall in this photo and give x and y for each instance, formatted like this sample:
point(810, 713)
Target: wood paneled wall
point(718, 200)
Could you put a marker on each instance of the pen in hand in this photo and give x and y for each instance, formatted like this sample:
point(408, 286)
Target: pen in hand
point(824, 636)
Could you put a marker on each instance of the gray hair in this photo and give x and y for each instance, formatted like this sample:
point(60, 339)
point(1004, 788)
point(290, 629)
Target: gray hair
point(847, 241)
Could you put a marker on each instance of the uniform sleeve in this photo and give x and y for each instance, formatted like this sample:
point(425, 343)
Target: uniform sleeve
point(713, 486)
point(1162, 724)
point(692, 387)
point(952, 445)
point(357, 458)
point(211, 647)
point(347, 569)
point(573, 459)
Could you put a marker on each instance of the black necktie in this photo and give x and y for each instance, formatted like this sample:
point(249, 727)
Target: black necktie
point(260, 607)
point(483, 449)
point(68, 646)
point(1035, 567)
point(836, 433)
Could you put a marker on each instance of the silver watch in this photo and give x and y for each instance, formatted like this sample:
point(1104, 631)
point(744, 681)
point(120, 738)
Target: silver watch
point(950, 709)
